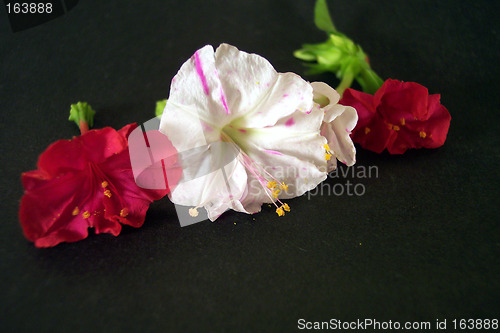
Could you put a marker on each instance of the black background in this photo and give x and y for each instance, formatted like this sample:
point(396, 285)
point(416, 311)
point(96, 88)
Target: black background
point(421, 244)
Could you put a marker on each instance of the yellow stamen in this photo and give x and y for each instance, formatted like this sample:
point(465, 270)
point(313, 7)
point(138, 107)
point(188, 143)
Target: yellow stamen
point(124, 212)
point(403, 121)
point(193, 212)
point(104, 184)
point(326, 146)
point(423, 134)
point(286, 207)
point(280, 211)
point(107, 193)
point(276, 193)
point(75, 211)
point(328, 156)
point(367, 130)
point(395, 127)
point(86, 214)
point(284, 187)
point(271, 184)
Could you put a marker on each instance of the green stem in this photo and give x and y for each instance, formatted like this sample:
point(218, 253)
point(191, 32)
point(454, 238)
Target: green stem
point(371, 81)
point(345, 83)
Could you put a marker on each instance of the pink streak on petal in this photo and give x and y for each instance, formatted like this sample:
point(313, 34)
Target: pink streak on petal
point(206, 127)
point(290, 122)
point(199, 71)
point(242, 130)
point(274, 152)
point(222, 96)
point(224, 101)
point(285, 95)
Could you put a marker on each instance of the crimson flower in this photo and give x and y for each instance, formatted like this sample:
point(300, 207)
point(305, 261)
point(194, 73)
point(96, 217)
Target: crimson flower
point(86, 182)
point(399, 116)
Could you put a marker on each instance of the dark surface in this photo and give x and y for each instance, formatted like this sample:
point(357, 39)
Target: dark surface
point(421, 244)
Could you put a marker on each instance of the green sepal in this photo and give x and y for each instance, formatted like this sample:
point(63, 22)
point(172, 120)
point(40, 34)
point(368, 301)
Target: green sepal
point(369, 81)
point(338, 55)
point(82, 112)
point(322, 17)
point(160, 105)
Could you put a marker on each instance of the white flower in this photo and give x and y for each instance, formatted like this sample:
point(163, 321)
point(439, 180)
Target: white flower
point(256, 133)
point(337, 125)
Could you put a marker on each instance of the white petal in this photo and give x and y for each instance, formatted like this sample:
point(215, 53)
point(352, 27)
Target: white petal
point(218, 191)
point(337, 132)
point(292, 151)
point(256, 94)
point(322, 90)
point(194, 105)
point(338, 123)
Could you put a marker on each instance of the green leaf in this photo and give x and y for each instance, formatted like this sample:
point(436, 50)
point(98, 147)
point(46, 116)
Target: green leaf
point(82, 112)
point(322, 17)
point(160, 105)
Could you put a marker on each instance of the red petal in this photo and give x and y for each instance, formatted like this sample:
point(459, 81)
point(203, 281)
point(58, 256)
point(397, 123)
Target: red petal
point(402, 100)
point(125, 194)
point(375, 136)
point(99, 145)
point(62, 156)
point(127, 129)
point(46, 212)
point(363, 103)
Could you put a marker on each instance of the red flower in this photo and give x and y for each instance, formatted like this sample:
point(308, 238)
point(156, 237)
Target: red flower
point(86, 182)
point(399, 116)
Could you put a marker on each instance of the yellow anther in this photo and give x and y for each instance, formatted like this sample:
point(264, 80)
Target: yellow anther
point(276, 193)
point(193, 212)
point(104, 184)
point(124, 212)
point(394, 127)
point(75, 211)
point(284, 187)
point(403, 121)
point(271, 184)
point(107, 193)
point(86, 214)
point(328, 156)
point(286, 207)
point(422, 134)
point(280, 211)
point(326, 146)
point(367, 130)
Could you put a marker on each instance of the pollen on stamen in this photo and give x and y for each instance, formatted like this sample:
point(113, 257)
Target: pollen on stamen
point(326, 146)
point(284, 187)
point(422, 134)
point(276, 193)
point(280, 211)
point(272, 184)
point(403, 121)
point(367, 130)
point(124, 212)
point(104, 184)
point(193, 212)
point(286, 207)
point(75, 211)
point(86, 214)
point(328, 156)
point(107, 193)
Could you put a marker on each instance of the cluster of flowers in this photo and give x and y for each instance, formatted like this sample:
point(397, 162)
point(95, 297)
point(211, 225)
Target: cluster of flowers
point(286, 134)
point(393, 115)
point(283, 135)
